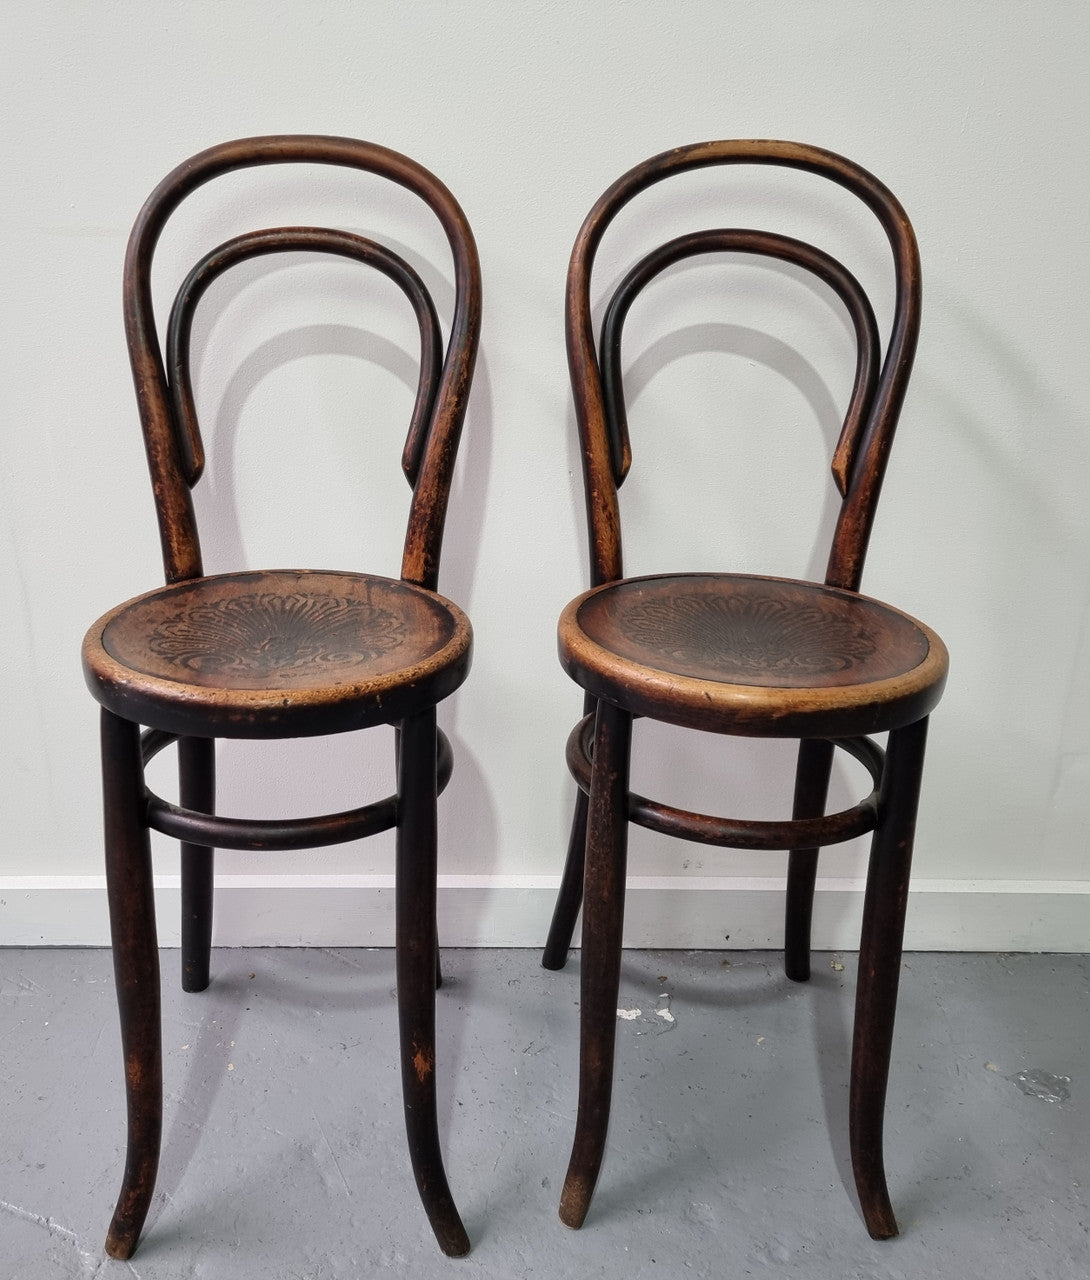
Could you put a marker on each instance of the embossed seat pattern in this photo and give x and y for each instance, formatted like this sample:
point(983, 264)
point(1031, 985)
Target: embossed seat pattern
point(297, 645)
point(746, 630)
point(718, 651)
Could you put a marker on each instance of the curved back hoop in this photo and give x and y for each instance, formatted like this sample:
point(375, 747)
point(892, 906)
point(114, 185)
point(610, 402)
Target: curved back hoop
point(171, 434)
point(862, 452)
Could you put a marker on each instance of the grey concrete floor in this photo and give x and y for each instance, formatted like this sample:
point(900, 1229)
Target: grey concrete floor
point(284, 1157)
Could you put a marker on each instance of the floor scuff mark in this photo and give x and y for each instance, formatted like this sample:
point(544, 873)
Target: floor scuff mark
point(654, 1021)
point(89, 1264)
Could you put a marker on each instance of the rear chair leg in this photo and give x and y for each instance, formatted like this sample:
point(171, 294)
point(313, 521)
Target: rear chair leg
point(197, 771)
point(570, 897)
point(811, 789)
point(136, 971)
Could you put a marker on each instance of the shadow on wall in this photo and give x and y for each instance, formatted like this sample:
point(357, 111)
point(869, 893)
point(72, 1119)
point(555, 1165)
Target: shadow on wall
point(770, 413)
point(315, 466)
point(1007, 462)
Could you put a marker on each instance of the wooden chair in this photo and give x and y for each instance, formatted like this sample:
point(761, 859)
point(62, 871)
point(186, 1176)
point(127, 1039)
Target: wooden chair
point(745, 655)
point(279, 654)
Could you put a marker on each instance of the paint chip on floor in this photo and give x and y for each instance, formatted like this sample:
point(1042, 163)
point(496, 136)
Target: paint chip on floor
point(1035, 1083)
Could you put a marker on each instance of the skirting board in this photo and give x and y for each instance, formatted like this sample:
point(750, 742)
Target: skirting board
point(667, 912)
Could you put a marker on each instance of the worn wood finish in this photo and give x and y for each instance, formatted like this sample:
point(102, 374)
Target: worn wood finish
point(276, 654)
point(600, 969)
point(131, 897)
point(417, 949)
point(880, 946)
point(279, 653)
point(197, 791)
point(740, 833)
point(812, 775)
point(570, 898)
point(744, 655)
point(763, 657)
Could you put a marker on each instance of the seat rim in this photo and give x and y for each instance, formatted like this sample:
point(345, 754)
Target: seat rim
point(752, 710)
point(196, 709)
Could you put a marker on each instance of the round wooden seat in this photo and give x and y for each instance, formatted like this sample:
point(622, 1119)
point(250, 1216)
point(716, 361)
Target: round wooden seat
point(278, 653)
point(734, 653)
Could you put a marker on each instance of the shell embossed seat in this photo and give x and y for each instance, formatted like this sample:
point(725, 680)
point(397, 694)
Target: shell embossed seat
point(277, 652)
point(750, 655)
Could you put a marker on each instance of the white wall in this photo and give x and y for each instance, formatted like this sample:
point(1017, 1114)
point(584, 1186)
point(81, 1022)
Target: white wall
point(973, 113)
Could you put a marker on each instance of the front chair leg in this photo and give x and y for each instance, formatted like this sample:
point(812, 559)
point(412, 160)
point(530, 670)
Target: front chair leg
point(136, 971)
point(879, 971)
point(397, 772)
point(811, 789)
point(600, 960)
point(197, 773)
point(417, 948)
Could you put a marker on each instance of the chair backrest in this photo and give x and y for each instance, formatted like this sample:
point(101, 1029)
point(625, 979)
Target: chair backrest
point(862, 451)
point(161, 373)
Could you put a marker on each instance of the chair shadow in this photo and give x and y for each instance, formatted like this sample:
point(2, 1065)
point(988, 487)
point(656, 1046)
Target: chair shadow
point(831, 1044)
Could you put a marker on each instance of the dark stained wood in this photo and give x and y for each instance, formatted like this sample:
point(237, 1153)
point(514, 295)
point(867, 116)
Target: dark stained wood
point(734, 653)
point(417, 974)
point(765, 244)
point(880, 946)
point(277, 654)
point(197, 791)
point(871, 451)
point(815, 826)
point(812, 775)
point(283, 653)
point(600, 968)
point(130, 892)
point(570, 898)
point(285, 240)
point(744, 655)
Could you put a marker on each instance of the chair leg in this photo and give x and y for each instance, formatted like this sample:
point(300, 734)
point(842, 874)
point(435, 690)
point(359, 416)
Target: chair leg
point(570, 897)
point(811, 789)
point(417, 949)
point(600, 962)
point(136, 972)
point(879, 971)
point(397, 770)
point(197, 770)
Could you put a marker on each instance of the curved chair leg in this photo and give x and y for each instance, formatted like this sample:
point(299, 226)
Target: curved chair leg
point(879, 971)
point(397, 770)
point(811, 789)
point(417, 949)
point(600, 961)
point(136, 972)
point(197, 771)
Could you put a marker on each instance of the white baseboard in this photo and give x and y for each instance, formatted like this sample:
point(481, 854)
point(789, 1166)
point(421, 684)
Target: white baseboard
point(667, 912)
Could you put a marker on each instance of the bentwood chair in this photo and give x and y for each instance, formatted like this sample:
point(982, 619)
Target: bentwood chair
point(281, 653)
point(744, 655)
